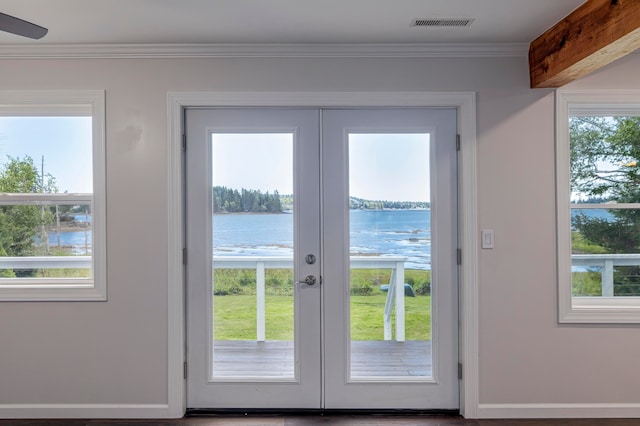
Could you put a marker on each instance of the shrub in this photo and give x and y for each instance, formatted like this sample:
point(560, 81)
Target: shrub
point(422, 289)
point(361, 289)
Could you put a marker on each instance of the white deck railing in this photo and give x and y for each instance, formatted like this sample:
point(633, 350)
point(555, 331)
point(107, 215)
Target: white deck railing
point(395, 295)
point(606, 262)
point(46, 262)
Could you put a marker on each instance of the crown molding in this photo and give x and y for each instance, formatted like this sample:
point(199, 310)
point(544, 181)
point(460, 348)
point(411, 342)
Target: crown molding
point(215, 50)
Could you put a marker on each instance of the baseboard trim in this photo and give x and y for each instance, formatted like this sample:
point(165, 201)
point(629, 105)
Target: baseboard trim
point(83, 411)
point(542, 411)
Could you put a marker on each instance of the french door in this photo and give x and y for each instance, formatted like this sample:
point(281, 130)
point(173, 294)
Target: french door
point(321, 265)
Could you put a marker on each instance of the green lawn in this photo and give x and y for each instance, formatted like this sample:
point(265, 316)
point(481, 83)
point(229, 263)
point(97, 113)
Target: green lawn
point(235, 317)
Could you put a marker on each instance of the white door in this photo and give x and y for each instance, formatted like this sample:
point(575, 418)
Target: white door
point(253, 338)
point(321, 265)
point(402, 239)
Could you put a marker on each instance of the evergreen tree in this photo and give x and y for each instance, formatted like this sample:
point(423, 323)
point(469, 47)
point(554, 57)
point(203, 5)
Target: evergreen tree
point(227, 200)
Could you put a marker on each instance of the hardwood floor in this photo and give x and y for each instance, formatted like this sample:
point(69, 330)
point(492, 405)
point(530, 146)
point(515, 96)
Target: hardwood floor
point(310, 420)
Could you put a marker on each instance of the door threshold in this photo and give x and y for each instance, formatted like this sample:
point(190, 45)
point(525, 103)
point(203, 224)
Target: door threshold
point(212, 412)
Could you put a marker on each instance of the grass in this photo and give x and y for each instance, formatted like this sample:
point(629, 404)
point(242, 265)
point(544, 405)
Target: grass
point(235, 304)
point(279, 282)
point(579, 245)
point(585, 283)
point(235, 317)
point(367, 317)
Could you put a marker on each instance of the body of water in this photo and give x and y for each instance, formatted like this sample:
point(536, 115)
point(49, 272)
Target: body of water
point(380, 232)
point(592, 213)
point(79, 241)
point(373, 232)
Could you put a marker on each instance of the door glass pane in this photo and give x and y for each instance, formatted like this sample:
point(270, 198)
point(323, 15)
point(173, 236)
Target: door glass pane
point(253, 292)
point(390, 239)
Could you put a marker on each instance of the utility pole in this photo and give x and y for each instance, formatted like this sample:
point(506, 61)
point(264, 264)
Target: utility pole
point(44, 234)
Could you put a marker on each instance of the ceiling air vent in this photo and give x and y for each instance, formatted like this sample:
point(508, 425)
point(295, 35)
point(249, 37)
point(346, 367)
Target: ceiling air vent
point(442, 22)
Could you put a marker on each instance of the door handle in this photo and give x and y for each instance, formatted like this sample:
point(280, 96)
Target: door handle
point(308, 280)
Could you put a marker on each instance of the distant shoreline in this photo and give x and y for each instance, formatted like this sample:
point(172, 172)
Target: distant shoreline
point(291, 211)
point(65, 227)
point(251, 213)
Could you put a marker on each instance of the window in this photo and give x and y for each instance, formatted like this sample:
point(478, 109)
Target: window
point(598, 201)
point(52, 195)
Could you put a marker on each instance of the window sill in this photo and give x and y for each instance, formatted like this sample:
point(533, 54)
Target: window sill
point(76, 290)
point(607, 310)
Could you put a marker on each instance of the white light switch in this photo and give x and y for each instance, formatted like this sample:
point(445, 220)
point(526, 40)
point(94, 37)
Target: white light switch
point(487, 238)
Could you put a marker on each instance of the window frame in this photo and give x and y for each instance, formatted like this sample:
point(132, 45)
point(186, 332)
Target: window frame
point(572, 309)
point(65, 103)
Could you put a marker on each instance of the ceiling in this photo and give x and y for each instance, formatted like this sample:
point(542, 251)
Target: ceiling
point(108, 22)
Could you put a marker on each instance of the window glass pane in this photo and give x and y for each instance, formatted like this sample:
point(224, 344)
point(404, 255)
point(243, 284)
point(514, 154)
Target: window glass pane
point(46, 186)
point(605, 242)
point(605, 159)
point(605, 252)
point(60, 149)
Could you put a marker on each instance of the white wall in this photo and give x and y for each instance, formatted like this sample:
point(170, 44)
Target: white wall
point(526, 357)
point(115, 352)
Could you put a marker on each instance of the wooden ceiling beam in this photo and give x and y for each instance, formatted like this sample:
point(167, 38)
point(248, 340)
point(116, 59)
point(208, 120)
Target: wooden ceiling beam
point(592, 36)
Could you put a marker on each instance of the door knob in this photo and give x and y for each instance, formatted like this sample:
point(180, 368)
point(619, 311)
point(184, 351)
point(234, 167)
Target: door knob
point(308, 280)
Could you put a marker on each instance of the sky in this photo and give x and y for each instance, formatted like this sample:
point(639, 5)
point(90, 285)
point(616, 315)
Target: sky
point(65, 143)
point(253, 161)
point(393, 167)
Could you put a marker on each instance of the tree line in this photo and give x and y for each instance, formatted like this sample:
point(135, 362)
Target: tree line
point(362, 204)
point(228, 200)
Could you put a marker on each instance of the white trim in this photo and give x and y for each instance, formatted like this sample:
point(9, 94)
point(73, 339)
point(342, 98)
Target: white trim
point(605, 206)
point(260, 50)
point(41, 102)
point(177, 396)
point(463, 101)
point(585, 102)
point(541, 411)
point(40, 110)
point(39, 199)
point(38, 102)
point(179, 100)
point(468, 235)
point(83, 411)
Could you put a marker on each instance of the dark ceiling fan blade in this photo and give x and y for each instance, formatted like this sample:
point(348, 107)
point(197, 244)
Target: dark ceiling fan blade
point(14, 25)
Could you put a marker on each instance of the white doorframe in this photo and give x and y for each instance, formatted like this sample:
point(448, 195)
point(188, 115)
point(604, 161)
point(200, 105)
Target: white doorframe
point(464, 102)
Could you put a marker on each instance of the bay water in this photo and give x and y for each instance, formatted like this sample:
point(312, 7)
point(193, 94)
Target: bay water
point(373, 232)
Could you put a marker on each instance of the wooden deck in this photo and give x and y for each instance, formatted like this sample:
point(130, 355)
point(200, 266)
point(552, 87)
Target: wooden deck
point(274, 359)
